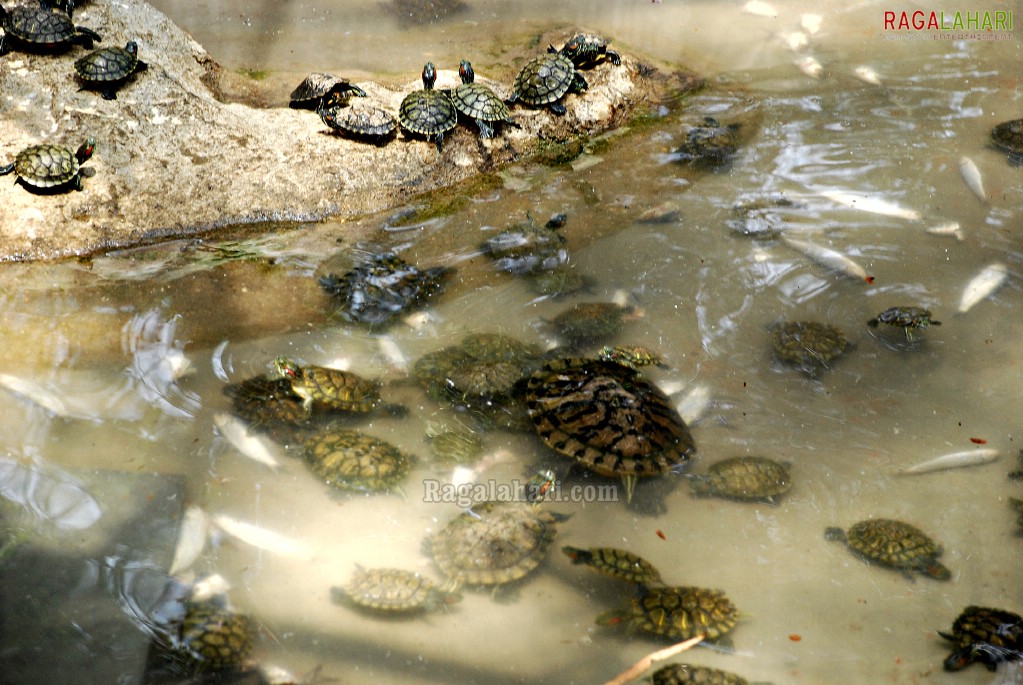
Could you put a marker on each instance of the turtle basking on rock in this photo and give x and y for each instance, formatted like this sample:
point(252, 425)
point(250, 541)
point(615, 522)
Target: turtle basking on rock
point(51, 168)
point(428, 112)
point(587, 50)
point(37, 29)
point(318, 87)
point(544, 81)
point(359, 122)
point(107, 69)
point(479, 103)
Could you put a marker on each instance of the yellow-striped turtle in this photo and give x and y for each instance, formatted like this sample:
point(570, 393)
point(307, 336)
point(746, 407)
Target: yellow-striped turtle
point(677, 613)
point(427, 112)
point(545, 80)
point(753, 479)
point(107, 69)
point(587, 50)
point(689, 674)
point(392, 591)
point(810, 346)
point(212, 638)
point(266, 401)
point(1008, 136)
point(894, 544)
point(615, 563)
point(608, 418)
point(350, 460)
point(333, 389)
point(318, 87)
point(50, 168)
point(990, 636)
point(906, 318)
point(479, 103)
point(37, 29)
point(493, 543)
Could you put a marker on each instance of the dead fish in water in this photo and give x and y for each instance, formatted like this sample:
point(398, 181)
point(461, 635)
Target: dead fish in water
point(36, 394)
point(392, 353)
point(984, 284)
point(866, 203)
point(867, 75)
point(255, 447)
point(836, 261)
point(191, 539)
point(694, 405)
point(971, 174)
point(954, 460)
point(261, 538)
point(810, 66)
point(950, 229)
point(760, 8)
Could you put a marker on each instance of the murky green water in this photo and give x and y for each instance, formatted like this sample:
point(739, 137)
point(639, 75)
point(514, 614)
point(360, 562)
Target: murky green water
point(105, 342)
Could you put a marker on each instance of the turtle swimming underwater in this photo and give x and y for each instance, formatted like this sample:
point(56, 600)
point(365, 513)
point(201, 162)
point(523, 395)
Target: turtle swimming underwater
point(590, 322)
point(526, 248)
point(41, 30)
point(427, 112)
point(266, 401)
point(211, 639)
point(350, 460)
point(894, 544)
point(990, 636)
point(615, 563)
point(1008, 136)
point(479, 103)
point(545, 80)
point(587, 51)
point(809, 345)
point(632, 356)
point(906, 318)
point(50, 168)
point(709, 146)
point(329, 388)
point(318, 87)
point(688, 674)
point(678, 613)
point(107, 69)
point(392, 591)
point(755, 479)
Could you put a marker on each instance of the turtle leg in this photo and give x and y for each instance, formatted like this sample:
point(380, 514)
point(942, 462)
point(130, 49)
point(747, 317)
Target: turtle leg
point(629, 481)
point(6, 169)
point(439, 141)
point(4, 47)
point(76, 182)
point(85, 37)
point(110, 93)
point(508, 101)
point(615, 58)
point(486, 130)
point(579, 83)
point(557, 108)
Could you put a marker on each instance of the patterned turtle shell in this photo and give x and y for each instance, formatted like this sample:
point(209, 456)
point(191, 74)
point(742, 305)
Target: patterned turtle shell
point(392, 591)
point(329, 388)
point(362, 122)
point(350, 460)
point(810, 346)
point(41, 30)
point(427, 112)
point(266, 401)
point(615, 563)
point(678, 613)
point(214, 639)
point(587, 50)
point(51, 166)
point(479, 103)
point(990, 636)
point(1008, 136)
point(894, 544)
point(906, 318)
point(318, 87)
point(688, 674)
point(590, 322)
point(545, 80)
point(755, 479)
point(107, 69)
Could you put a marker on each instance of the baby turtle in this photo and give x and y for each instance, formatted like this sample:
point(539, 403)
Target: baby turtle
point(494, 543)
point(894, 544)
point(587, 51)
point(266, 401)
point(545, 80)
point(213, 638)
point(615, 563)
point(906, 318)
point(350, 460)
point(40, 30)
point(370, 124)
point(990, 636)
point(1008, 136)
point(107, 69)
point(678, 613)
point(382, 286)
point(632, 356)
point(809, 345)
point(479, 103)
point(753, 479)
point(688, 674)
point(559, 282)
point(608, 418)
point(329, 388)
point(428, 112)
point(590, 322)
point(526, 248)
point(317, 87)
point(392, 591)
point(710, 146)
point(50, 168)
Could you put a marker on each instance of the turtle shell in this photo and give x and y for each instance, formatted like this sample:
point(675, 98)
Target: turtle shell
point(350, 460)
point(484, 379)
point(266, 401)
point(904, 317)
point(587, 50)
point(41, 29)
point(213, 638)
point(711, 145)
point(987, 635)
point(317, 85)
point(428, 112)
point(359, 121)
point(590, 322)
point(607, 417)
point(391, 590)
point(630, 355)
point(809, 345)
point(615, 563)
point(493, 543)
point(688, 674)
point(478, 102)
point(51, 166)
point(1008, 136)
point(107, 68)
point(678, 613)
point(559, 282)
point(745, 478)
point(526, 248)
point(546, 79)
point(328, 388)
point(894, 544)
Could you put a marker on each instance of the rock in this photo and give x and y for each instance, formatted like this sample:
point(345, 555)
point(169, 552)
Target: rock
point(173, 158)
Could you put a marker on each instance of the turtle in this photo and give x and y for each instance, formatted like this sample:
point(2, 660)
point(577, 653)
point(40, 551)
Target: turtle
point(478, 102)
point(689, 674)
point(319, 386)
point(587, 51)
point(266, 401)
point(1008, 136)
point(65, 6)
point(590, 322)
point(455, 445)
point(632, 356)
point(51, 168)
point(493, 543)
point(381, 286)
point(906, 318)
point(392, 591)
point(709, 146)
point(809, 345)
point(350, 460)
point(526, 248)
point(41, 30)
point(545, 80)
point(615, 563)
point(428, 112)
point(212, 638)
point(559, 282)
point(363, 122)
point(894, 544)
point(755, 479)
point(990, 636)
point(107, 69)
point(758, 218)
point(608, 418)
point(677, 613)
point(317, 88)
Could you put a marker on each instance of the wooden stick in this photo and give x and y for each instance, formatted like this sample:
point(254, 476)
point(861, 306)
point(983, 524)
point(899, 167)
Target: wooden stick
point(641, 666)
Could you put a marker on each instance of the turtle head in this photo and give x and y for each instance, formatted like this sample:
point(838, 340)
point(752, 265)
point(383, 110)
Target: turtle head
point(465, 72)
point(429, 75)
point(285, 367)
point(132, 48)
point(85, 151)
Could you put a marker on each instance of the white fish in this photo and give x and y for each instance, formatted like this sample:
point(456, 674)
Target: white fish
point(990, 279)
point(259, 537)
point(866, 203)
point(255, 447)
point(867, 75)
point(392, 353)
point(208, 588)
point(760, 8)
point(952, 228)
point(694, 405)
point(192, 535)
point(417, 320)
point(811, 23)
point(37, 394)
point(810, 66)
point(971, 174)
point(836, 261)
point(954, 460)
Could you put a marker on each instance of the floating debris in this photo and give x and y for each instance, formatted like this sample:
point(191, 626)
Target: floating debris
point(866, 203)
point(796, 41)
point(760, 8)
point(810, 66)
point(951, 229)
point(867, 75)
point(836, 261)
point(983, 285)
point(955, 460)
point(971, 174)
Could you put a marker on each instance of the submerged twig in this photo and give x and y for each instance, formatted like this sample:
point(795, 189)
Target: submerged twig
point(641, 666)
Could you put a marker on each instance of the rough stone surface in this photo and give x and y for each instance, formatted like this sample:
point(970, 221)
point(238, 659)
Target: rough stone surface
point(173, 158)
